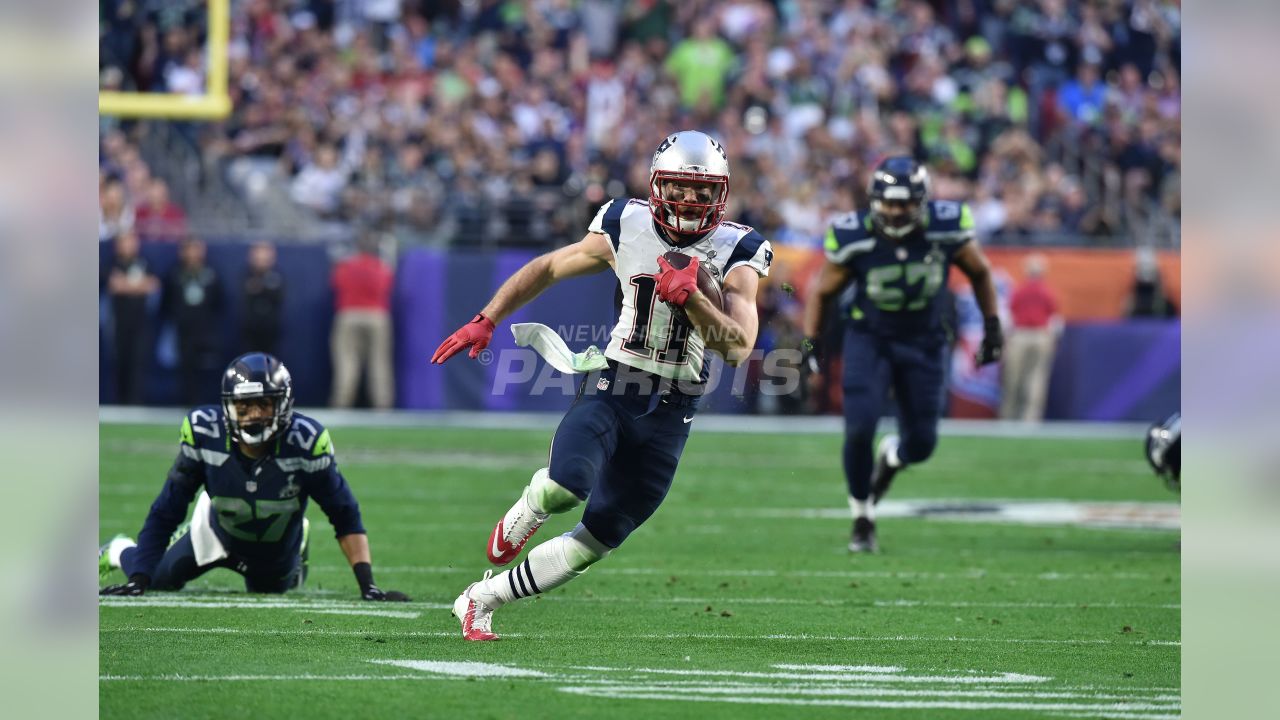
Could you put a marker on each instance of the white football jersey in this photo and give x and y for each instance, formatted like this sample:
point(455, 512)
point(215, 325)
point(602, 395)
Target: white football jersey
point(646, 335)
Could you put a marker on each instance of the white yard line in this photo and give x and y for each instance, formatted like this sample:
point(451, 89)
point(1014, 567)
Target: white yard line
point(319, 607)
point(1115, 715)
point(725, 600)
point(641, 693)
point(253, 678)
point(1061, 605)
point(317, 631)
point(1039, 512)
point(707, 422)
point(907, 638)
point(464, 669)
point(813, 690)
point(967, 574)
point(680, 636)
point(374, 613)
point(814, 685)
point(842, 668)
point(854, 677)
point(336, 607)
point(247, 601)
point(826, 687)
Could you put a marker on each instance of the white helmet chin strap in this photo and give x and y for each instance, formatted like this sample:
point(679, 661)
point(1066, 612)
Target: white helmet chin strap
point(257, 438)
point(268, 428)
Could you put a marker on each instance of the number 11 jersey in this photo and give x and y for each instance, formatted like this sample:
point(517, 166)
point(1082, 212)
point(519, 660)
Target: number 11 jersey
point(646, 335)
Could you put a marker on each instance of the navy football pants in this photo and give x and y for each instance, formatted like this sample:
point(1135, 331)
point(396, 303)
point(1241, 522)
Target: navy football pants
point(873, 365)
point(178, 567)
point(611, 451)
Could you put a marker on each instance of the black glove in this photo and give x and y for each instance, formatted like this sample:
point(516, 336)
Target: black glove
point(370, 591)
point(137, 585)
point(992, 342)
point(811, 354)
point(373, 592)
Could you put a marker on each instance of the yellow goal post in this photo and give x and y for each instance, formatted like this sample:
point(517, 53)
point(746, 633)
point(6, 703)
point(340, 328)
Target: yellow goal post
point(214, 104)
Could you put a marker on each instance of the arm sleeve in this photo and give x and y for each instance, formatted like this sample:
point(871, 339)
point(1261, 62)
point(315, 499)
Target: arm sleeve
point(608, 222)
point(332, 493)
point(753, 251)
point(167, 513)
point(950, 223)
point(847, 237)
point(597, 223)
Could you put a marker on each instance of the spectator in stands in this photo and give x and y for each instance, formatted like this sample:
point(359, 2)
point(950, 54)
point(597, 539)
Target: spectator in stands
point(263, 301)
point(115, 214)
point(159, 219)
point(811, 93)
point(193, 302)
point(320, 183)
point(1028, 356)
point(128, 282)
point(1083, 98)
point(700, 64)
point(361, 339)
point(1147, 296)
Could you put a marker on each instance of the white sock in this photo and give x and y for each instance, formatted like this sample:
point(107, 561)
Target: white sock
point(546, 568)
point(116, 547)
point(547, 497)
point(862, 508)
point(891, 452)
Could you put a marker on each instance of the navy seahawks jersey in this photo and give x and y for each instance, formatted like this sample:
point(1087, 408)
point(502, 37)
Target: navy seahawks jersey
point(257, 505)
point(898, 281)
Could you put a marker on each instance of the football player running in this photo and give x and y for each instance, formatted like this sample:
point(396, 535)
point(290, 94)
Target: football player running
point(617, 447)
point(899, 254)
point(257, 462)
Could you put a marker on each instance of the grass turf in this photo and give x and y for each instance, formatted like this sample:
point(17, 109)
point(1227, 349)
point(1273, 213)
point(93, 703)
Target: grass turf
point(723, 604)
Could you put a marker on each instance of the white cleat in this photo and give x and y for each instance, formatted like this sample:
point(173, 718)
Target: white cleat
point(882, 473)
point(513, 531)
point(475, 616)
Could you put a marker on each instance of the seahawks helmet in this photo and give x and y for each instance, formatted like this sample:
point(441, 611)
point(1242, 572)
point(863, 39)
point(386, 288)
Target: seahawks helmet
point(695, 158)
point(899, 179)
point(257, 375)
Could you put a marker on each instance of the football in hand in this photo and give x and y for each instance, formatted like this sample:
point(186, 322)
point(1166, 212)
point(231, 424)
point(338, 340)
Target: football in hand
point(708, 285)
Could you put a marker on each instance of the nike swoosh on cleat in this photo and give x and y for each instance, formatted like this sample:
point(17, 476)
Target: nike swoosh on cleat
point(688, 420)
point(499, 548)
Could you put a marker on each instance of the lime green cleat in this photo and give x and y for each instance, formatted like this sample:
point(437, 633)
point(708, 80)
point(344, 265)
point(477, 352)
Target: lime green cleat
point(104, 556)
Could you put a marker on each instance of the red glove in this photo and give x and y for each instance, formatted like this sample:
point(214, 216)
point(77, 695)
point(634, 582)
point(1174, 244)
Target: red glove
point(675, 286)
point(476, 333)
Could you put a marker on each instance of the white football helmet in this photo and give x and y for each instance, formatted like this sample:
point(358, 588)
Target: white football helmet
point(689, 183)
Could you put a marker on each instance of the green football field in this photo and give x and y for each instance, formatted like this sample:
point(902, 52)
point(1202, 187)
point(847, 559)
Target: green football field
point(1004, 589)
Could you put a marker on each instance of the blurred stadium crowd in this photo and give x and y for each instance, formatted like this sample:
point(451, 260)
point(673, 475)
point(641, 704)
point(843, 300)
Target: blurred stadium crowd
point(483, 122)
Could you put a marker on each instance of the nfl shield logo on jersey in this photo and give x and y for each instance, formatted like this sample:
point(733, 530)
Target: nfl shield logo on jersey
point(602, 384)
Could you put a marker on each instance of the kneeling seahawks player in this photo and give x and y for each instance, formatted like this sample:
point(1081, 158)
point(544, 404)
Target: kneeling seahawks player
point(258, 463)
